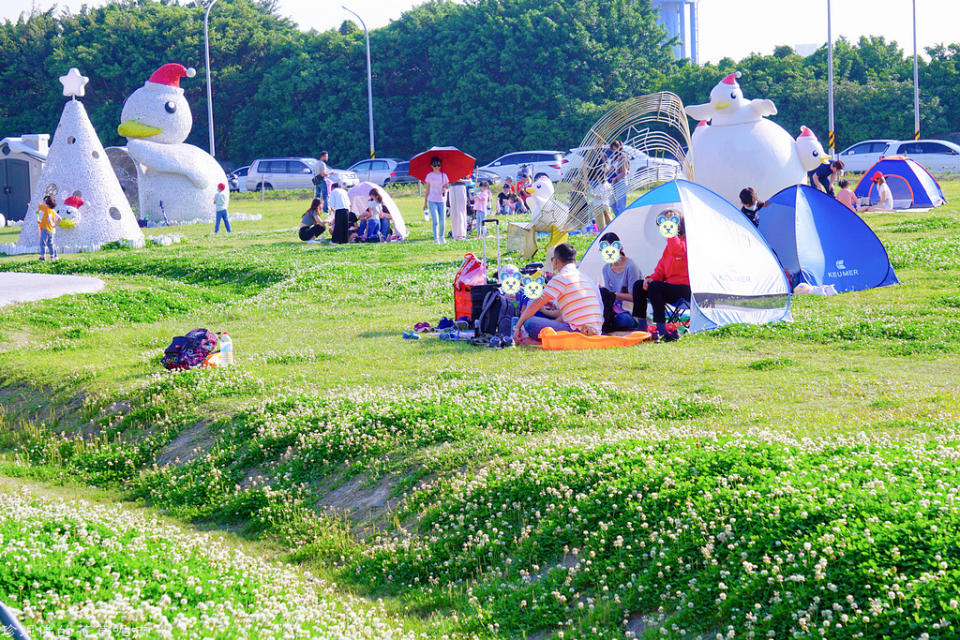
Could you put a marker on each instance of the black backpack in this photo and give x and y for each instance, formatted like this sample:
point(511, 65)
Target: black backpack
point(496, 315)
point(189, 351)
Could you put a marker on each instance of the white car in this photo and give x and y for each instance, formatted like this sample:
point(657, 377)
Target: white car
point(546, 162)
point(861, 156)
point(376, 170)
point(237, 179)
point(639, 160)
point(291, 173)
point(937, 156)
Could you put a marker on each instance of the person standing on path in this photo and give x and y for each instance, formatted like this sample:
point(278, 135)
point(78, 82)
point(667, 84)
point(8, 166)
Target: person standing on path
point(320, 179)
point(435, 198)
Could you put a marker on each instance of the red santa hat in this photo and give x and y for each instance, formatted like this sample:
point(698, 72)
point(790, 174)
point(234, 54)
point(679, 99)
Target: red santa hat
point(170, 74)
point(732, 79)
point(74, 201)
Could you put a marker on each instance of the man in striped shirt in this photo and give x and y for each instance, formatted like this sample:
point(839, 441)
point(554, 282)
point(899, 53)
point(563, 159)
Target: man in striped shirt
point(574, 300)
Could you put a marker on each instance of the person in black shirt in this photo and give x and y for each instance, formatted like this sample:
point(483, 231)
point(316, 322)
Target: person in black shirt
point(751, 205)
point(820, 178)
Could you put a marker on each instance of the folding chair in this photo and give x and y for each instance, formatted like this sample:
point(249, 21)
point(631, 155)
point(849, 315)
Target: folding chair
point(675, 310)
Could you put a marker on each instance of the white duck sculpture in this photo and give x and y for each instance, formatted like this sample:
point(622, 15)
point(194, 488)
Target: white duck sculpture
point(741, 148)
point(546, 214)
point(156, 120)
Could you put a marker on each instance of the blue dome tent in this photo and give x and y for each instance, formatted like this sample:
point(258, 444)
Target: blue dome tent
point(734, 276)
point(820, 241)
point(912, 186)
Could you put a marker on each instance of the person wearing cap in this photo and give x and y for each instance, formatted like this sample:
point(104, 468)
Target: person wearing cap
point(885, 202)
point(820, 178)
point(220, 203)
point(504, 206)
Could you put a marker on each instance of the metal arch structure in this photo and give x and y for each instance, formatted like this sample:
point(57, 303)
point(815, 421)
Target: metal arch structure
point(630, 122)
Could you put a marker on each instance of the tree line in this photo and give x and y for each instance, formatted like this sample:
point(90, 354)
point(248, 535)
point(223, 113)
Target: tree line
point(489, 76)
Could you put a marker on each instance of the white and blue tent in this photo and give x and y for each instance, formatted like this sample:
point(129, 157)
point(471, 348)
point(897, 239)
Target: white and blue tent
point(821, 242)
point(734, 276)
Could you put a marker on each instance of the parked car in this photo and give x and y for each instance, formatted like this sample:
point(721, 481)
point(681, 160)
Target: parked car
point(479, 175)
point(940, 156)
point(237, 179)
point(345, 177)
point(861, 156)
point(546, 162)
point(639, 160)
point(400, 175)
point(376, 170)
point(291, 173)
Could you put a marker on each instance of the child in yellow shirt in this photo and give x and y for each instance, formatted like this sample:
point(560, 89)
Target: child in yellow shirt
point(47, 220)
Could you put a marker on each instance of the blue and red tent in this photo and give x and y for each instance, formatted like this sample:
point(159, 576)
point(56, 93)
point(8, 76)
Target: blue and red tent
point(912, 186)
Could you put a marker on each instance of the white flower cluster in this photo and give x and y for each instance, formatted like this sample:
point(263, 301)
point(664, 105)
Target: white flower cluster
point(75, 569)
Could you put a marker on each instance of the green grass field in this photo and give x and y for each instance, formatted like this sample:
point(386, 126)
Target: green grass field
point(797, 480)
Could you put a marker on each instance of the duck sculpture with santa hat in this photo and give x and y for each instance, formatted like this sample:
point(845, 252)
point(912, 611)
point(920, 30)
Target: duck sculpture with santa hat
point(176, 181)
point(741, 148)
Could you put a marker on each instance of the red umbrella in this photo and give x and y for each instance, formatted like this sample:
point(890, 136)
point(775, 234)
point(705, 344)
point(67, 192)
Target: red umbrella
point(456, 163)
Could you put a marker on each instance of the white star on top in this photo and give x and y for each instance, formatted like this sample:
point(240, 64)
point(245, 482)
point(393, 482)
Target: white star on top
point(73, 83)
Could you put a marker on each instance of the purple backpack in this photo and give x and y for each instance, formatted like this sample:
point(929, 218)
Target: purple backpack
point(189, 351)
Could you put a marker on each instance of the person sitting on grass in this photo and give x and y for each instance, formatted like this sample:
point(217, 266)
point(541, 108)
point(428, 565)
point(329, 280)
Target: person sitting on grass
point(570, 299)
point(883, 190)
point(311, 224)
point(846, 195)
point(374, 221)
point(751, 205)
point(617, 287)
point(504, 205)
point(670, 280)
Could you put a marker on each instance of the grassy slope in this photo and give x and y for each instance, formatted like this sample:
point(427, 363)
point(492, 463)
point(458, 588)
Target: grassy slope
point(330, 407)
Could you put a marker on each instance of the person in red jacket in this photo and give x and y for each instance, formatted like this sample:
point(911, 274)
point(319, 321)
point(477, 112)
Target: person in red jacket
point(669, 281)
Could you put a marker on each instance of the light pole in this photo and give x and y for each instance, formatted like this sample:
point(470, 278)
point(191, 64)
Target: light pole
point(830, 135)
point(206, 48)
point(916, 79)
point(369, 80)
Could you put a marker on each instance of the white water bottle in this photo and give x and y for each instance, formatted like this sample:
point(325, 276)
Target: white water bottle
point(226, 350)
point(426, 214)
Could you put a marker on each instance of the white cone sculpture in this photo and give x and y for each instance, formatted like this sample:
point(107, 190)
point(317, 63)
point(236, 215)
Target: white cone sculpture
point(176, 181)
point(78, 174)
point(741, 148)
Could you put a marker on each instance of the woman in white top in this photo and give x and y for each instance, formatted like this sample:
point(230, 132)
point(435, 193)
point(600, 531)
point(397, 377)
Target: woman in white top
point(883, 190)
point(435, 199)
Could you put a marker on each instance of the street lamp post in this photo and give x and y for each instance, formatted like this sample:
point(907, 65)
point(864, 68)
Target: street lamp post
point(369, 80)
point(830, 135)
point(206, 47)
point(916, 79)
